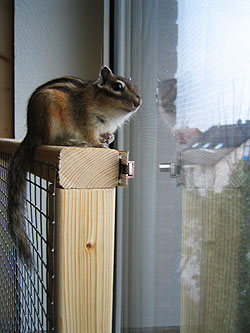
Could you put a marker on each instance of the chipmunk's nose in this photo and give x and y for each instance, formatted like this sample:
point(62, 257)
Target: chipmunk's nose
point(137, 102)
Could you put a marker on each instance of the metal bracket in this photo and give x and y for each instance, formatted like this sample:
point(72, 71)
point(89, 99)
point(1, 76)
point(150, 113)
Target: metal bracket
point(126, 168)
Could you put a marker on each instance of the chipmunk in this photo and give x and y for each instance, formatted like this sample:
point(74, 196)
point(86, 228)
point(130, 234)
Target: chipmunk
point(66, 111)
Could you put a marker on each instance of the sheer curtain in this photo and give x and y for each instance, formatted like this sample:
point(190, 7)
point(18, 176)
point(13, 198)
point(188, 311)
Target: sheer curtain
point(136, 226)
point(144, 291)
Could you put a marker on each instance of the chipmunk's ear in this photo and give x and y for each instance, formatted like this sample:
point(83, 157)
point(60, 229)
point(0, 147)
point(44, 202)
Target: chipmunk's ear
point(104, 75)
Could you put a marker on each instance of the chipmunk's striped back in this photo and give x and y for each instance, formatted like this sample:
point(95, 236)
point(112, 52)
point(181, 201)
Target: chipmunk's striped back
point(66, 111)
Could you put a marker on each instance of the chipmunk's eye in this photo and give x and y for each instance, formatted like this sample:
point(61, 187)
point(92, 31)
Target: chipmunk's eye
point(118, 86)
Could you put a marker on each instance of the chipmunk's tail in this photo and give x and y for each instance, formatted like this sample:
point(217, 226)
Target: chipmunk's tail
point(18, 168)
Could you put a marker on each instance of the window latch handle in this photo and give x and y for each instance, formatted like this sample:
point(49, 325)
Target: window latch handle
point(173, 168)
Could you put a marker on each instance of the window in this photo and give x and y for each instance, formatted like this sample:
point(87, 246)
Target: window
point(180, 255)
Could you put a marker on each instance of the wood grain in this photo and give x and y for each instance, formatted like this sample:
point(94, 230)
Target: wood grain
point(78, 167)
point(84, 257)
point(88, 168)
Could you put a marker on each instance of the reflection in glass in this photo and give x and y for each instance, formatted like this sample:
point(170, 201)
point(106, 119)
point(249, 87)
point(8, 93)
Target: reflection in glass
point(186, 248)
point(213, 103)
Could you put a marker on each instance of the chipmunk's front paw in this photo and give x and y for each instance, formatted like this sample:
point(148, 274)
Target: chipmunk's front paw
point(107, 138)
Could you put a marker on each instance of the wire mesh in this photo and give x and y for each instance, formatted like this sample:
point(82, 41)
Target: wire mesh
point(27, 296)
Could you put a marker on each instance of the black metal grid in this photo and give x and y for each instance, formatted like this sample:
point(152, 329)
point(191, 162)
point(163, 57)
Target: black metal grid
point(27, 296)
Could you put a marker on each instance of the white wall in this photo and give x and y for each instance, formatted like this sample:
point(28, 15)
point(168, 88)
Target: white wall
point(54, 38)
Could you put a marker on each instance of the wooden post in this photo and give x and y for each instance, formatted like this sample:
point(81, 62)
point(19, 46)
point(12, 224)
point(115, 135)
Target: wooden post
point(85, 256)
point(85, 220)
point(84, 232)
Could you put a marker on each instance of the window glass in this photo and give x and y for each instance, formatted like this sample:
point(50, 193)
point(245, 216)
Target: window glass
point(183, 236)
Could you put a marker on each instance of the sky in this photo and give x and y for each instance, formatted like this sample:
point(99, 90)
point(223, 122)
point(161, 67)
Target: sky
point(213, 62)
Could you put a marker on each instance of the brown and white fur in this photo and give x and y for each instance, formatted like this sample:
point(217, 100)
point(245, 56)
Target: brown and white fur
point(66, 111)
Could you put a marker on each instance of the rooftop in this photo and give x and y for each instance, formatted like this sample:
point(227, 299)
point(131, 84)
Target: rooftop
point(223, 136)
